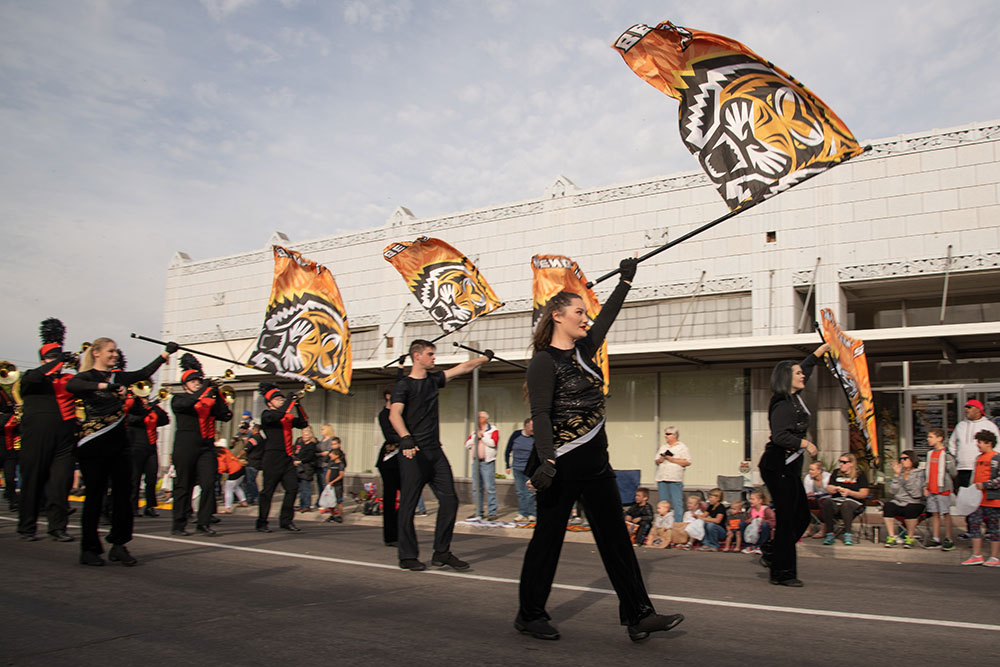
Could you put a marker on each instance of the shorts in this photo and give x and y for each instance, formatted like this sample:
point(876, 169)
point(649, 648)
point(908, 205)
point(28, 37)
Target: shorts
point(908, 511)
point(939, 503)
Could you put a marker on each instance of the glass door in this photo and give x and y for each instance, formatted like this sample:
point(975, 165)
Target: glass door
point(930, 409)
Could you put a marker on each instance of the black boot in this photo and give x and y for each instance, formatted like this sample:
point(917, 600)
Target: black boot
point(653, 623)
point(540, 628)
point(119, 554)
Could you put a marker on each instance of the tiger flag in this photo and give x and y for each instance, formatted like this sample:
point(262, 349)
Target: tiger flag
point(552, 274)
point(755, 130)
point(848, 363)
point(444, 281)
point(305, 334)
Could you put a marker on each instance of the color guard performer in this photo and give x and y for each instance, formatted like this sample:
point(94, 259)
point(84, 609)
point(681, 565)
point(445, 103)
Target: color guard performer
point(144, 417)
point(277, 422)
point(48, 434)
point(195, 411)
point(103, 450)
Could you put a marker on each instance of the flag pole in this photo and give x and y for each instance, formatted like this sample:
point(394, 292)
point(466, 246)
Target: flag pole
point(708, 225)
point(402, 358)
point(496, 358)
point(194, 351)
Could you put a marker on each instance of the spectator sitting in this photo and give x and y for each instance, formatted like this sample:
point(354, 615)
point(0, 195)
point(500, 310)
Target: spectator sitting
point(907, 491)
point(940, 480)
point(680, 535)
point(660, 534)
point(735, 519)
point(767, 521)
point(848, 489)
point(815, 483)
point(986, 476)
point(639, 517)
point(714, 517)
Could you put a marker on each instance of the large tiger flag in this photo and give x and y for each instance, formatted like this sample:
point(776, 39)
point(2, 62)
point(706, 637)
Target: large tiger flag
point(848, 363)
point(552, 274)
point(444, 281)
point(755, 130)
point(305, 334)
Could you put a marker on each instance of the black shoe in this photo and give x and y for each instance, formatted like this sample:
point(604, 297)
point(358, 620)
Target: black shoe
point(119, 554)
point(412, 564)
point(292, 528)
point(181, 532)
point(492, 517)
point(26, 537)
point(61, 536)
point(540, 628)
point(263, 529)
point(90, 558)
point(206, 530)
point(764, 562)
point(136, 513)
point(447, 558)
point(337, 518)
point(214, 519)
point(791, 583)
point(150, 512)
point(392, 544)
point(653, 623)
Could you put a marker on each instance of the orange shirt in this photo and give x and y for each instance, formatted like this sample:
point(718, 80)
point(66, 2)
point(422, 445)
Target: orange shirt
point(983, 475)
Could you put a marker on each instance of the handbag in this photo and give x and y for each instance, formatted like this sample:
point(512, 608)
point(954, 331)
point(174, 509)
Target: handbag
point(752, 532)
point(696, 529)
point(967, 501)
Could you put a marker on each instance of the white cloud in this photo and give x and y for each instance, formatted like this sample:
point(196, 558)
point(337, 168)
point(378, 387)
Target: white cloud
point(259, 52)
point(220, 9)
point(377, 15)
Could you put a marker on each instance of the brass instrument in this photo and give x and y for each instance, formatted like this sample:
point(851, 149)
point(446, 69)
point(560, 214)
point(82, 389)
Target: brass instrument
point(299, 395)
point(10, 383)
point(8, 373)
point(142, 388)
point(75, 357)
point(229, 374)
point(161, 396)
point(227, 393)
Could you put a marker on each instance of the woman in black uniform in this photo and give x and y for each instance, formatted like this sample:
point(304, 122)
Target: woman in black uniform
point(103, 450)
point(781, 465)
point(570, 462)
point(277, 422)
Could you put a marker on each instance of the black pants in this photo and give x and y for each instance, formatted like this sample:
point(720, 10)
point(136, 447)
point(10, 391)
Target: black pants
point(106, 462)
point(195, 464)
point(791, 509)
point(46, 465)
point(145, 467)
point(428, 467)
point(10, 477)
point(963, 478)
point(604, 512)
point(278, 469)
point(390, 487)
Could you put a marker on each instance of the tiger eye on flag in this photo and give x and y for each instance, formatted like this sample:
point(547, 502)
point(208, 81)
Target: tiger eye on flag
point(755, 130)
point(305, 334)
point(447, 285)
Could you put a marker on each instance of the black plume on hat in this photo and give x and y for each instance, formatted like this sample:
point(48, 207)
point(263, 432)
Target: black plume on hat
point(266, 388)
point(52, 331)
point(121, 361)
point(189, 362)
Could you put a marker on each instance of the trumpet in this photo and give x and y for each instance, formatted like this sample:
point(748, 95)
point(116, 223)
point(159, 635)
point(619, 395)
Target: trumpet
point(299, 395)
point(8, 373)
point(74, 357)
point(227, 393)
point(142, 388)
point(161, 396)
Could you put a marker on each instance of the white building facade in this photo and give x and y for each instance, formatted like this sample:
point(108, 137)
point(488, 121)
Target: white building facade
point(902, 243)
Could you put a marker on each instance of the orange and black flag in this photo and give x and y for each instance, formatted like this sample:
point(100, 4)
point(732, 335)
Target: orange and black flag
point(305, 334)
point(444, 281)
point(755, 130)
point(552, 274)
point(848, 363)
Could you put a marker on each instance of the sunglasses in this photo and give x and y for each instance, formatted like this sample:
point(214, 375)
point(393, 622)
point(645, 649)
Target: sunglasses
point(904, 458)
point(842, 462)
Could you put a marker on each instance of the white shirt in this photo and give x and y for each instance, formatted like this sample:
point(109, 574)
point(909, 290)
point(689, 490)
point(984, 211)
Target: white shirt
point(811, 486)
point(487, 444)
point(962, 443)
point(671, 472)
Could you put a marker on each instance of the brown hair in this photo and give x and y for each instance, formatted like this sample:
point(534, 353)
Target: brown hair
point(542, 336)
point(939, 432)
point(87, 358)
point(419, 345)
point(643, 491)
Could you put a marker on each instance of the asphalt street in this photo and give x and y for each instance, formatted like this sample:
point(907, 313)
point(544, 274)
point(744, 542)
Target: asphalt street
point(334, 594)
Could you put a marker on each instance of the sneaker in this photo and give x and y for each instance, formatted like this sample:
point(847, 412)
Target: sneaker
point(973, 560)
point(947, 545)
point(532, 517)
point(653, 623)
point(474, 517)
point(848, 540)
point(932, 543)
point(540, 628)
point(520, 517)
point(829, 539)
point(449, 559)
point(492, 517)
point(575, 521)
point(757, 551)
point(891, 541)
point(908, 542)
point(747, 550)
point(412, 564)
point(992, 562)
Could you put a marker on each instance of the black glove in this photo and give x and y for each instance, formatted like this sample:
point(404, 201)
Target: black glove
point(67, 357)
point(627, 268)
point(488, 354)
point(115, 388)
point(407, 442)
point(171, 347)
point(542, 479)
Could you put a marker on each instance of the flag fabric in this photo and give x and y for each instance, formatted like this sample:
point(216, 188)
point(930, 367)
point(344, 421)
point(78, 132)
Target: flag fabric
point(848, 363)
point(445, 282)
point(755, 130)
point(305, 334)
point(552, 274)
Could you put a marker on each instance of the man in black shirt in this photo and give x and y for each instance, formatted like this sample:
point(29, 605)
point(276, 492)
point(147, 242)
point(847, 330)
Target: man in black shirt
point(413, 413)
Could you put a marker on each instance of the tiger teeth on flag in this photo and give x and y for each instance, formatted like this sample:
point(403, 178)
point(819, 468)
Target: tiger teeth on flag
point(848, 363)
point(305, 334)
point(445, 283)
point(552, 274)
point(755, 130)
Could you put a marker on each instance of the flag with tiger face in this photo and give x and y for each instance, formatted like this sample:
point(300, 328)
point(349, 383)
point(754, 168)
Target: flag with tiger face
point(305, 334)
point(445, 282)
point(755, 130)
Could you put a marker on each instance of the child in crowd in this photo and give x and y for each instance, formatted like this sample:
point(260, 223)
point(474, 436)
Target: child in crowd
point(768, 521)
point(680, 535)
point(663, 522)
point(986, 477)
point(714, 518)
point(335, 478)
point(735, 519)
point(639, 517)
point(941, 472)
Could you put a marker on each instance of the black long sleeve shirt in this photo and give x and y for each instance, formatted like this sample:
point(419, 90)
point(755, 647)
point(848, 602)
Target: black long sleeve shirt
point(788, 418)
point(100, 402)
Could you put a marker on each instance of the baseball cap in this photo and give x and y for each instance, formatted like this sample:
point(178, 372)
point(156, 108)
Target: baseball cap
point(976, 404)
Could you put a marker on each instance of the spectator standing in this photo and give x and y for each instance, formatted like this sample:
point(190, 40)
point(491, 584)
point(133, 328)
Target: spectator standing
point(940, 480)
point(253, 452)
point(305, 467)
point(907, 491)
point(671, 460)
point(848, 489)
point(519, 447)
point(962, 443)
point(335, 478)
point(323, 448)
point(483, 443)
point(986, 477)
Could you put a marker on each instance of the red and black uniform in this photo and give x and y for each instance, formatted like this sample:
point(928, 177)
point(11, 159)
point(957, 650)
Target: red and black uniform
point(48, 435)
point(143, 420)
point(9, 435)
point(279, 445)
point(194, 452)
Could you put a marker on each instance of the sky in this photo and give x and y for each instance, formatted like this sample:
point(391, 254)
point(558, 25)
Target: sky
point(131, 130)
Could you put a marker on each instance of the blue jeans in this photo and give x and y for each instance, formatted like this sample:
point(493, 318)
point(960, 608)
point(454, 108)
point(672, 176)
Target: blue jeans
point(525, 496)
point(487, 483)
point(250, 485)
point(713, 533)
point(674, 492)
point(305, 493)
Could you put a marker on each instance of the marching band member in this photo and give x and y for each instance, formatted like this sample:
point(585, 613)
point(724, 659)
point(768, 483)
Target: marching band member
point(144, 417)
point(277, 422)
point(9, 435)
point(48, 434)
point(196, 411)
point(103, 451)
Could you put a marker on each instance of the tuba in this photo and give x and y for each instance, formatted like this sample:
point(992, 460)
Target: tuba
point(8, 373)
